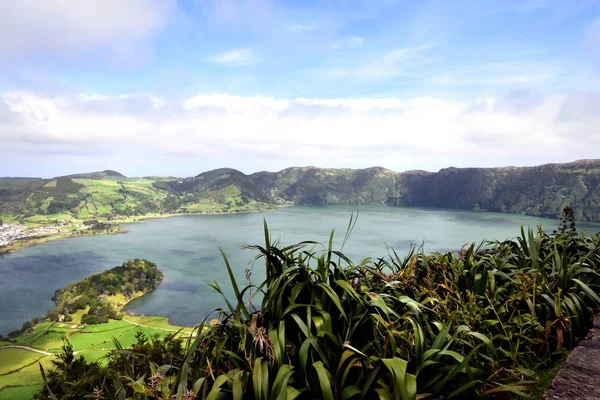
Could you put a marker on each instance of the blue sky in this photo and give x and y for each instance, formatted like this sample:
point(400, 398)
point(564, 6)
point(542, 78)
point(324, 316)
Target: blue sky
point(179, 87)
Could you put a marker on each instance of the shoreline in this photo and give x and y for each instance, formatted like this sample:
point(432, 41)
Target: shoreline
point(119, 307)
point(117, 229)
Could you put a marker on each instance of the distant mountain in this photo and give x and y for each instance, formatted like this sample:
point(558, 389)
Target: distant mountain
point(216, 181)
point(222, 189)
point(540, 191)
point(318, 186)
point(106, 174)
point(18, 179)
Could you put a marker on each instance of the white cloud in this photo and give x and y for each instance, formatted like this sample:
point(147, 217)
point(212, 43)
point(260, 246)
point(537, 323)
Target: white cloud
point(237, 104)
point(49, 27)
point(236, 57)
point(262, 132)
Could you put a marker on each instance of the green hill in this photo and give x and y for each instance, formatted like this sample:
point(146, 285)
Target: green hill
point(222, 189)
point(106, 174)
point(539, 191)
point(97, 195)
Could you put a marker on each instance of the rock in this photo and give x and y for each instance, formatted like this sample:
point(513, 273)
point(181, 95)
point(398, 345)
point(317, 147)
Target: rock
point(579, 378)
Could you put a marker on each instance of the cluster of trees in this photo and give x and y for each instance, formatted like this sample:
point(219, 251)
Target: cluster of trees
point(96, 225)
point(27, 326)
point(133, 276)
point(63, 202)
point(100, 313)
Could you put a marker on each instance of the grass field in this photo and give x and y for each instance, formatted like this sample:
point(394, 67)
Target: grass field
point(19, 392)
point(20, 376)
point(25, 382)
point(12, 359)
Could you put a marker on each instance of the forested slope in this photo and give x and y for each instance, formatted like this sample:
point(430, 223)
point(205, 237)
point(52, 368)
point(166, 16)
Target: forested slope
point(540, 191)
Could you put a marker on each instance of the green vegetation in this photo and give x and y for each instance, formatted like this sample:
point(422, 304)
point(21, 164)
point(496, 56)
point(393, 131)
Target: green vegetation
point(489, 320)
point(43, 340)
point(539, 191)
point(94, 294)
point(19, 392)
point(24, 382)
point(12, 359)
point(143, 356)
point(20, 376)
point(94, 300)
point(103, 196)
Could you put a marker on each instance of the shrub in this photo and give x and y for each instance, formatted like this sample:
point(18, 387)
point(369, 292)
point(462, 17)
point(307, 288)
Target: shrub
point(472, 323)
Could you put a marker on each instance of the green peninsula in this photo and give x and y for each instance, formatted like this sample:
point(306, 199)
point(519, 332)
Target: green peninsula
point(87, 314)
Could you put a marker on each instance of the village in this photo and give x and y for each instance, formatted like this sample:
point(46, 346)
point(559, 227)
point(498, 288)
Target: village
point(12, 232)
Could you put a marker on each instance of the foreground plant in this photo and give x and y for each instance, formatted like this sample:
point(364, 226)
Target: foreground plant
point(473, 323)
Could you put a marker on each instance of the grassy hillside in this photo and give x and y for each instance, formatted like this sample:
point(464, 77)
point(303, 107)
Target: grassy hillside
point(78, 198)
point(539, 191)
point(224, 190)
point(110, 195)
point(20, 375)
point(317, 186)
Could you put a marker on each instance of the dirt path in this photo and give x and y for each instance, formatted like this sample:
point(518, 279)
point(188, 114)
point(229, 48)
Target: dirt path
point(27, 348)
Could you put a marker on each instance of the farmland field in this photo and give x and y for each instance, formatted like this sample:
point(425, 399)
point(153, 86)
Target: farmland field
point(19, 371)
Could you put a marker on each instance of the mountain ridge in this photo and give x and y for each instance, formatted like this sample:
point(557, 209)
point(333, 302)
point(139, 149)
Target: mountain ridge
point(542, 190)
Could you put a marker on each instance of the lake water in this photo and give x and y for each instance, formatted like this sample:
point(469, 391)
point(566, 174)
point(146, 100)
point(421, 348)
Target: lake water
point(185, 249)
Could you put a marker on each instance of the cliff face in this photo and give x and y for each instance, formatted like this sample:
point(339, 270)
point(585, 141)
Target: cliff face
point(541, 191)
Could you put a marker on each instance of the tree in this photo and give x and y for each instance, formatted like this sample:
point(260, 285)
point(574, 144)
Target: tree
point(72, 377)
point(567, 221)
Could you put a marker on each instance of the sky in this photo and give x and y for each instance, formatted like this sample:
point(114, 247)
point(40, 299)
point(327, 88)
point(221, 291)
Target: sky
point(178, 87)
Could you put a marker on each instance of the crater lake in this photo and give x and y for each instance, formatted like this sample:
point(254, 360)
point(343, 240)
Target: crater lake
point(185, 249)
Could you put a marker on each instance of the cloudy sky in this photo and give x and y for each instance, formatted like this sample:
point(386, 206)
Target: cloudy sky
point(177, 87)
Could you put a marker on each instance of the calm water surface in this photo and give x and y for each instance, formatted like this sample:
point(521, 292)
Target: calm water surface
point(185, 249)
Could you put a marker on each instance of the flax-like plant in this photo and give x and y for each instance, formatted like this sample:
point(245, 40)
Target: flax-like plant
point(472, 323)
